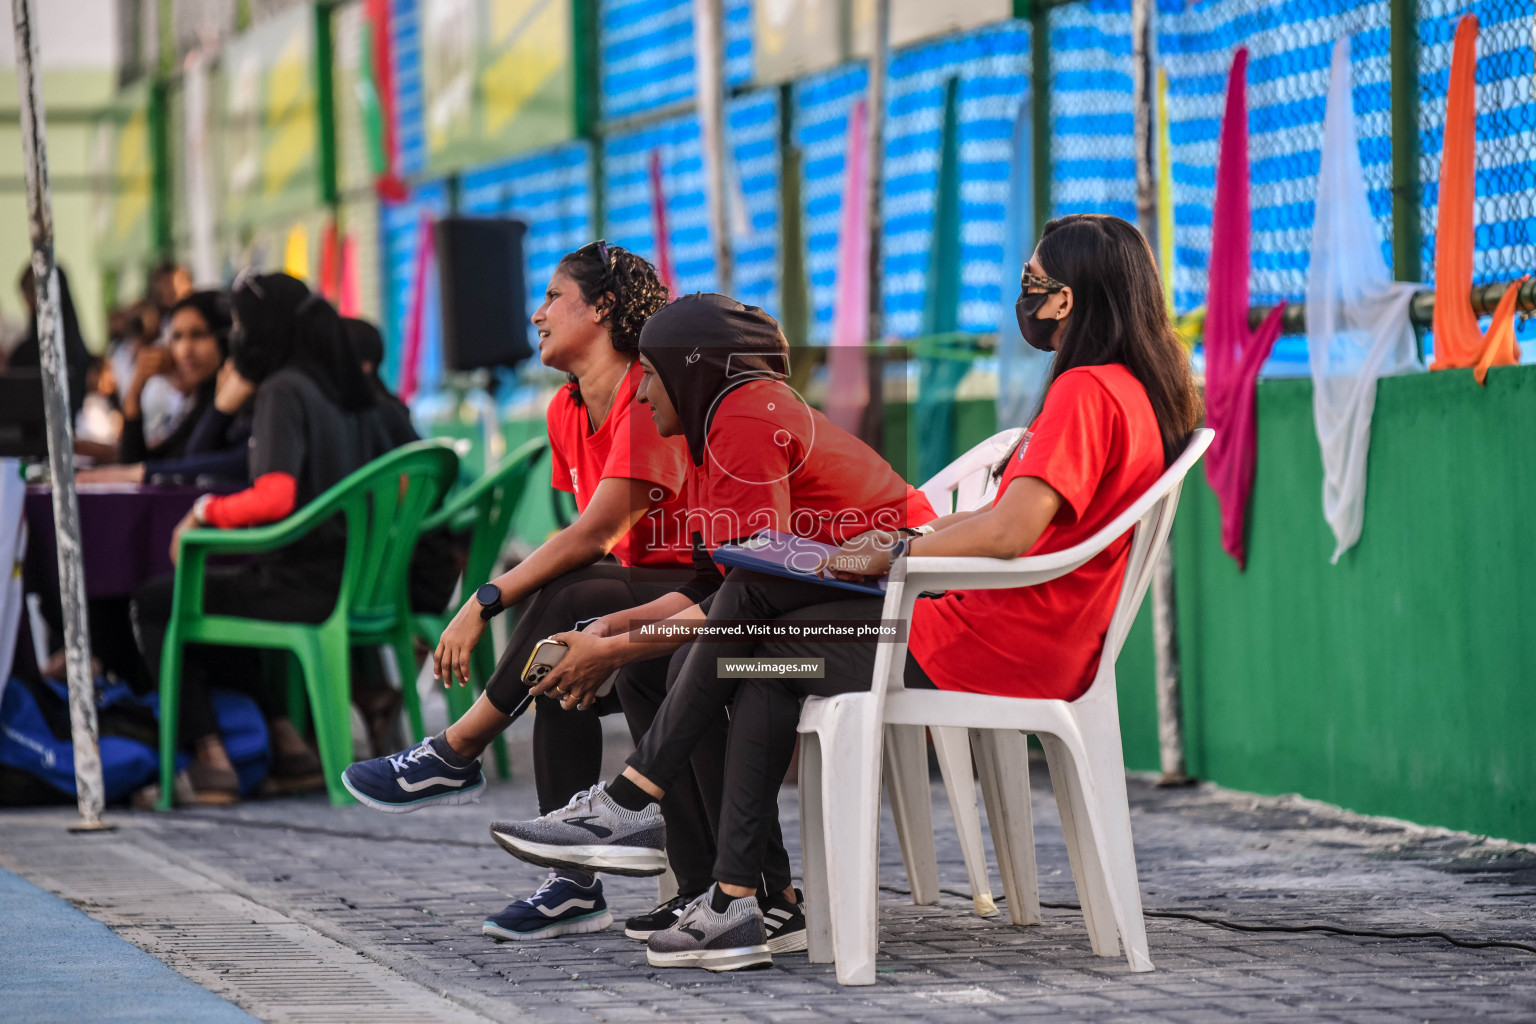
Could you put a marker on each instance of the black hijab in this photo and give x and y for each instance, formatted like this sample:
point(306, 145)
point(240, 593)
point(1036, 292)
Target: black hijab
point(282, 323)
point(77, 357)
point(704, 346)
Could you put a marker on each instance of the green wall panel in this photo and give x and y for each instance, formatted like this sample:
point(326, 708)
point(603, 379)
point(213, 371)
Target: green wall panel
point(1136, 687)
point(1400, 681)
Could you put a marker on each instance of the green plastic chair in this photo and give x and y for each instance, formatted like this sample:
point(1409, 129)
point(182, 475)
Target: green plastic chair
point(484, 509)
point(384, 504)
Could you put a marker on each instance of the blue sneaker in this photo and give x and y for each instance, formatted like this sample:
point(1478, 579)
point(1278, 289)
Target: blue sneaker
point(412, 779)
point(561, 906)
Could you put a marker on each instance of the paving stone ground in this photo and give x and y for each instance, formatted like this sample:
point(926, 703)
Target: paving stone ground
point(410, 891)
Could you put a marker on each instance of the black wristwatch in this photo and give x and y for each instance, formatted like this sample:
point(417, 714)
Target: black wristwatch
point(489, 597)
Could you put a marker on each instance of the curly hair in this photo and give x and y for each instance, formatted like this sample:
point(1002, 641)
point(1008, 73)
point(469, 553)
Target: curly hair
point(627, 289)
point(624, 286)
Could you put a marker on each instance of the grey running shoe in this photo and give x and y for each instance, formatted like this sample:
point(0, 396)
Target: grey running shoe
point(591, 833)
point(728, 941)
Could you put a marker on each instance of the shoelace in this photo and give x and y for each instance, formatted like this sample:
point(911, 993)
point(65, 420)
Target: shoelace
point(582, 800)
point(692, 908)
point(543, 887)
point(414, 756)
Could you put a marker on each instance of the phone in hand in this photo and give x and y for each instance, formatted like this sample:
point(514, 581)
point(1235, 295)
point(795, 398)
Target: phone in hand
point(546, 655)
point(549, 653)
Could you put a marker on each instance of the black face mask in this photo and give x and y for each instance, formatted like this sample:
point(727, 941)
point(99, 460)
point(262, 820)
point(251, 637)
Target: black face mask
point(1036, 331)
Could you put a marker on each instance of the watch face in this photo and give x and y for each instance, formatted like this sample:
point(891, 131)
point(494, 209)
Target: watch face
point(488, 595)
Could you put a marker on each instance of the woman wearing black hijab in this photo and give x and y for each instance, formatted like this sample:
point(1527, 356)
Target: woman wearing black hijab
point(313, 426)
point(28, 354)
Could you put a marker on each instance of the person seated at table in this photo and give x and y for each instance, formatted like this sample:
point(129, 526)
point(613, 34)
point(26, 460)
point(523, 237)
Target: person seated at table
point(99, 424)
point(1120, 406)
point(211, 434)
point(762, 459)
point(28, 353)
point(314, 424)
point(198, 345)
point(621, 550)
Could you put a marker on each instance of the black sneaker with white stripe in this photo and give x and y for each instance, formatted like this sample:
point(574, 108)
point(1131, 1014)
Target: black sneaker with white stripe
point(784, 921)
point(643, 926)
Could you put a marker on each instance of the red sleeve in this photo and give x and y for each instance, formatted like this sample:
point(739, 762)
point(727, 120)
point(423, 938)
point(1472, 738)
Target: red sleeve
point(269, 498)
point(557, 419)
point(639, 453)
point(917, 508)
point(1070, 445)
point(746, 482)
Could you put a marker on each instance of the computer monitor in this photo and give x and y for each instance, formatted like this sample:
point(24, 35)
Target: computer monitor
point(23, 424)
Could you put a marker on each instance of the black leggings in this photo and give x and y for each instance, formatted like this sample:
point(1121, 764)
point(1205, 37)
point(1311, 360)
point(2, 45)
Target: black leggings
point(278, 592)
point(692, 804)
point(763, 717)
point(568, 745)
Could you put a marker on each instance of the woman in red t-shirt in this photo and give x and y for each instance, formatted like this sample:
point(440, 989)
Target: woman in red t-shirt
point(761, 459)
point(1120, 405)
point(619, 552)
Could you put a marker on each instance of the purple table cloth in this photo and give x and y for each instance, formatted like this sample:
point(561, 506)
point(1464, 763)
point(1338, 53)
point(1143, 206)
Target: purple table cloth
point(125, 534)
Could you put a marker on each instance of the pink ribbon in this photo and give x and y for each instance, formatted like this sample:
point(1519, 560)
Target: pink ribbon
point(410, 358)
point(664, 268)
point(847, 369)
point(1233, 355)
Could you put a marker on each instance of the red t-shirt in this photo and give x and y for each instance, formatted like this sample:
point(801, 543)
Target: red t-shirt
point(774, 463)
point(1096, 442)
point(626, 446)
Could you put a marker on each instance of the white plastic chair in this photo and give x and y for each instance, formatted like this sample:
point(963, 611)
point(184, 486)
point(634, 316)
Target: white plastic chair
point(840, 810)
point(966, 483)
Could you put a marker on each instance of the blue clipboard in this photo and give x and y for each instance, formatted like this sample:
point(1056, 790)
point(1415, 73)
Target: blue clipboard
point(796, 558)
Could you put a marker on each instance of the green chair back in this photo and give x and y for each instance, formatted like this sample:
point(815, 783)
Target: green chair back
point(485, 509)
point(384, 504)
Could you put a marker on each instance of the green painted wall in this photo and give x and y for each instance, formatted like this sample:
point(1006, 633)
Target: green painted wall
point(1401, 681)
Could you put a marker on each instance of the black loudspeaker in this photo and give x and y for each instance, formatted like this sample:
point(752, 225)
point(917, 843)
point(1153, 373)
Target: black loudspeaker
point(484, 297)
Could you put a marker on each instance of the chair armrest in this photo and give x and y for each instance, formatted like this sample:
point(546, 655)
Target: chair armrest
point(988, 573)
point(245, 540)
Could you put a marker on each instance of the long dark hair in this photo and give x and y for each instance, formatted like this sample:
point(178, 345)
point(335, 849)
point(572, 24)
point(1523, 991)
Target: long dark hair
point(1119, 316)
point(625, 287)
point(213, 307)
point(282, 323)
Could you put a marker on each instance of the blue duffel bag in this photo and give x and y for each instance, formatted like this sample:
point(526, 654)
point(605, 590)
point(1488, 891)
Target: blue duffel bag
point(35, 736)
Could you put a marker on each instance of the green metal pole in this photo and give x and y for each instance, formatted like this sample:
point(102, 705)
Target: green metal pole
point(1407, 237)
point(165, 23)
point(1040, 106)
point(794, 297)
point(586, 67)
point(325, 72)
point(160, 169)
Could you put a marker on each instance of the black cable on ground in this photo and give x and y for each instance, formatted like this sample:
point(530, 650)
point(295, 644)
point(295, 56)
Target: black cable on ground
point(1237, 926)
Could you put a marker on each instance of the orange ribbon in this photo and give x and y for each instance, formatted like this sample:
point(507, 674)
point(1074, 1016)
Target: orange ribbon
point(1458, 342)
